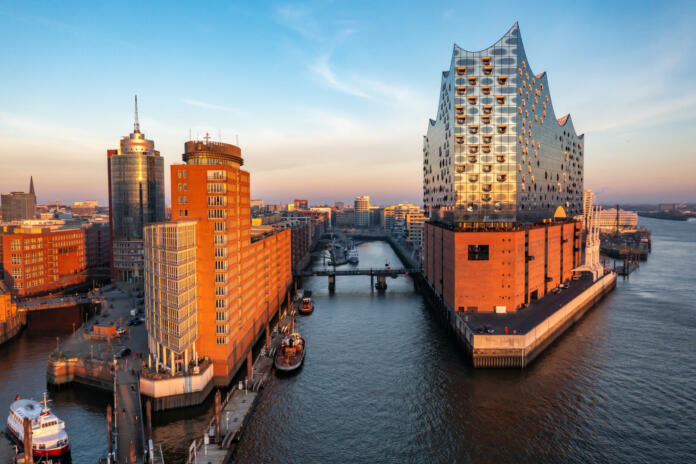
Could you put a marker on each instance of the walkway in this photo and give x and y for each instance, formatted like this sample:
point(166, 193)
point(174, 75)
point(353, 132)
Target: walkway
point(128, 412)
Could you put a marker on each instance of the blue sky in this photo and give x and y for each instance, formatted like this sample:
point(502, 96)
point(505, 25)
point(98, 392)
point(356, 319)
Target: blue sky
point(331, 99)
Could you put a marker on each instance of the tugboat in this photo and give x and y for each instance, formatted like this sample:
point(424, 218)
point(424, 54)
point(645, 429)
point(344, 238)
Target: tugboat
point(49, 437)
point(307, 306)
point(291, 353)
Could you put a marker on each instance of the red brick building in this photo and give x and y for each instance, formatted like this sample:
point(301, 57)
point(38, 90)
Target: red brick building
point(38, 260)
point(477, 270)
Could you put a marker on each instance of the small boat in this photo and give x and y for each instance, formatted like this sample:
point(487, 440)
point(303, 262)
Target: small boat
point(352, 256)
point(291, 353)
point(307, 306)
point(48, 436)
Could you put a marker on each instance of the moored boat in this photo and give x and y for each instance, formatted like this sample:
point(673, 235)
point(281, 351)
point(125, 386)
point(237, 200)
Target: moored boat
point(307, 305)
point(352, 256)
point(291, 353)
point(48, 435)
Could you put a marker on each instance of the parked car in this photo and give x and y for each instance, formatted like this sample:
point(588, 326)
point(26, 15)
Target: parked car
point(123, 352)
point(489, 329)
point(121, 331)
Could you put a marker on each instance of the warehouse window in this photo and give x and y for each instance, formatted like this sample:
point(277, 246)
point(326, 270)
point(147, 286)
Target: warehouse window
point(478, 252)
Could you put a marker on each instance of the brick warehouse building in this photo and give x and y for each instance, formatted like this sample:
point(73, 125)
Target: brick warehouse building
point(37, 260)
point(475, 271)
point(210, 287)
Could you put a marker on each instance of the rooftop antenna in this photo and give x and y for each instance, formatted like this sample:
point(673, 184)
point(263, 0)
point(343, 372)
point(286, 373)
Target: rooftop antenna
point(236, 136)
point(137, 123)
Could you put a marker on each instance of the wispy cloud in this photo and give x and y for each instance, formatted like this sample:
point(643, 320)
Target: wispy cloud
point(323, 70)
point(207, 106)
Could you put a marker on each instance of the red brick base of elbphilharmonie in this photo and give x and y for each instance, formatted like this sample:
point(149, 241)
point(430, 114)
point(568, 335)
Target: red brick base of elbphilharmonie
point(484, 267)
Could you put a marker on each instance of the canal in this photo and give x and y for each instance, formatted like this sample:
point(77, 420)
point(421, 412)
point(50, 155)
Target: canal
point(384, 381)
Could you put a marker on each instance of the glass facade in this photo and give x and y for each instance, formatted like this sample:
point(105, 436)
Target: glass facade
point(136, 198)
point(496, 152)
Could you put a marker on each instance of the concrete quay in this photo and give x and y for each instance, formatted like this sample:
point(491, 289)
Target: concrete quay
point(225, 429)
point(12, 327)
point(518, 338)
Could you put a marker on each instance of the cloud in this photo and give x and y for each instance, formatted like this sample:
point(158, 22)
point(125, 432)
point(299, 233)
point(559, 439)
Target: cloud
point(207, 106)
point(322, 69)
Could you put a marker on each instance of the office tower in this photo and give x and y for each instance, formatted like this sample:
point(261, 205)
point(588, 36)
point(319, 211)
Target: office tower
point(136, 198)
point(240, 280)
point(496, 151)
point(362, 211)
point(19, 206)
point(301, 204)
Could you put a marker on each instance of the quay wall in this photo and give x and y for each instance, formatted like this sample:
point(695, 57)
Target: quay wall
point(10, 328)
point(503, 351)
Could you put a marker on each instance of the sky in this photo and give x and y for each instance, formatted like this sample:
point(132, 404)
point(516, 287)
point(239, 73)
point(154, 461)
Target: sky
point(330, 100)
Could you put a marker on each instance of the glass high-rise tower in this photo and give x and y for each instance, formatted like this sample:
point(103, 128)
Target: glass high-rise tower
point(496, 152)
point(136, 198)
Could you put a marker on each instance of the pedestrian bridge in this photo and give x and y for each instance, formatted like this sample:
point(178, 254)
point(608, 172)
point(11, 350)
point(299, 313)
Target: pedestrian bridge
point(380, 273)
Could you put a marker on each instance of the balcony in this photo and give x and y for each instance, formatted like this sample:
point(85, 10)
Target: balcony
point(486, 60)
point(472, 80)
point(459, 139)
point(459, 109)
point(501, 177)
point(461, 70)
point(500, 158)
point(486, 148)
point(486, 119)
point(487, 138)
point(473, 129)
point(502, 128)
point(473, 177)
point(460, 168)
point(500, 99)
point(487, 109)
point(487, 167)
point(487, 70)
point(487, 187)
point(486, 197)
point(472, 100)
point(473, 149)
point(502, 80)
point(461, 119)
point(472, 158)
point(461, 90)
point(486, 89)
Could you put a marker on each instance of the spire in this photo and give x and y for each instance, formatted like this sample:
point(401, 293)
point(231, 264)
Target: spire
point(31, 185)
point(137, 123)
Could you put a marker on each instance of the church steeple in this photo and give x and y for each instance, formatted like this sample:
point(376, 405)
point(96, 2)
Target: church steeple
point(136, 126)
point(31, 185)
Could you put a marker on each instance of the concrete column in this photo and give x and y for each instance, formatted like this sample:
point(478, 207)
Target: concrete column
point(250, 367)
point(186, 360)
point(268, 337)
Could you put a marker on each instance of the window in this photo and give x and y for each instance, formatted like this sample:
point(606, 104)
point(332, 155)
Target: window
point(216, 214)
point(478, 252)
point(221, 340)
point(220, 239)
point(220, 278)
point(16, 260)
point(220, 226)
point(220, 329)
point(217, 175)
point(221, 316)
point(220, 291)
point(220, 304)
point(220, 252)
point(15, 245)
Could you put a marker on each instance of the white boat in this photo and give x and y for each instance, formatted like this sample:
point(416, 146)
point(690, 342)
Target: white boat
point(352, 256)
point(48, 435)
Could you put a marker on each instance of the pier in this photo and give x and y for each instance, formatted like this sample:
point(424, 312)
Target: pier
point(225, 428)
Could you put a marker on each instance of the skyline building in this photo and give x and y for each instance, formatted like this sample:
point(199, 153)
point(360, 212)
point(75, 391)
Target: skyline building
point(502, 180)
point(496, 151)
point(19, 206)
point(211, 286)
point(136, 198)
point(362, 211)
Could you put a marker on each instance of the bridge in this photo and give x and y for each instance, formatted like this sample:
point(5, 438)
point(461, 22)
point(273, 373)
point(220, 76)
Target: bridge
point(380, 273)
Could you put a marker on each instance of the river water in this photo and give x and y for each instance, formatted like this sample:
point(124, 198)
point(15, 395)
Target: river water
point(384, 381)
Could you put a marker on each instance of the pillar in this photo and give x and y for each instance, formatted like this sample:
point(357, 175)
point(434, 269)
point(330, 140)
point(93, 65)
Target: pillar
point(171, 357)
point(109, 418)
point(186, 360)
point(218, 415)
point(250, 367)
point(28, 449)
point(268, 337)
